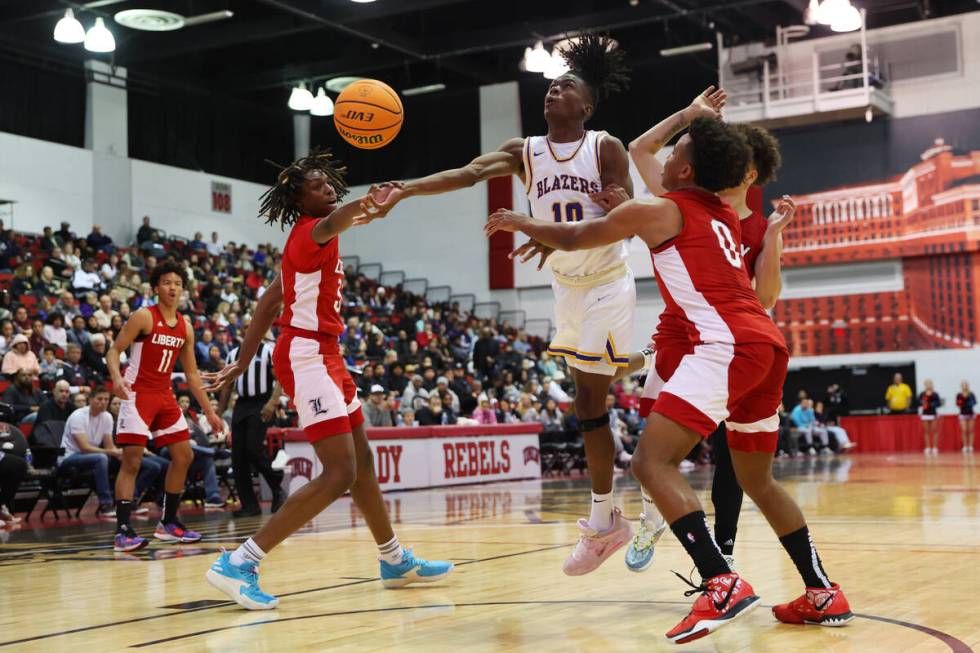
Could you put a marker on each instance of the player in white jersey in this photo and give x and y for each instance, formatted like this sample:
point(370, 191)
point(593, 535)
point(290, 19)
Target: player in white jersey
point(594, 289)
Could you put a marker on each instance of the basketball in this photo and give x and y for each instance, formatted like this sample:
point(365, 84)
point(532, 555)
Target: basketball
point(368, 114)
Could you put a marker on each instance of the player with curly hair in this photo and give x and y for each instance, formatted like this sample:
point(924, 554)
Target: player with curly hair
point(595, 294)
point(311, 370)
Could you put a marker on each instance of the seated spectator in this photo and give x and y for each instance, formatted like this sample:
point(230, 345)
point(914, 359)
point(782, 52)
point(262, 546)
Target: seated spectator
point(78, 334)
point(623, 441)
point(13, 470)
point(22, 322)
point(23, 397)
point(450, 416)
point(69, 256)
point(202, 346)
point(216, 247)
point(73, 371)
point(525, 408)
point(51, 369)
point(98, 240)
point(214, 362)
point(20, 357)
point(58, 407)
point(88, 446)
point(898, 396)
point(442, 387)
point(413, 388)
point(86, 279)
point(6, 336)
point(96, 368)
point(806, 427)
point(145, 233)
point(25, 281)
point(786, 445)
point(548, 366)
point(505, 413)
point(406, 417)
point(67, 305)
point(104, 315)
point(431, 413)
point(837, 434)
point(36, 340)
point(64, 234)
point(203, 463)
point(47, 284)
point(110, 268)
point(197, 243)
point(48, 242)
point(484, 414)
point(377, 409)
point(551, 416)
point(54, 331)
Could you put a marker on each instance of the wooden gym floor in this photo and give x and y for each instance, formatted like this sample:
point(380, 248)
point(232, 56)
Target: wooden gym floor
point(900, 533)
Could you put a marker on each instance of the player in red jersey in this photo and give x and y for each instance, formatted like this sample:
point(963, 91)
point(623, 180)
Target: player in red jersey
point(734, 373)
point(761, 247)
point(157, 337)
point(311, 370)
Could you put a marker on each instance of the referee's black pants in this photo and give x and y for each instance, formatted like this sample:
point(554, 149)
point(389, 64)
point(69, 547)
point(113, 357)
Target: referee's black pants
point(248, 450)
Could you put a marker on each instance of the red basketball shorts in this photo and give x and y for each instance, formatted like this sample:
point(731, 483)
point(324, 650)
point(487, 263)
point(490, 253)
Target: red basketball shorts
point(151, 415)
point(312, 372)
point(741, 385)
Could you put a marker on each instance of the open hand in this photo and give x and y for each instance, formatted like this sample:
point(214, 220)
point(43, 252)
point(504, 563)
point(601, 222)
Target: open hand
point(610, 197)
point(217, 424)
point(529, 250)
point(380, 199)
point(215, 381)
point(783, 215)
point(709, 104)
point(122, 389)
point(504, 220)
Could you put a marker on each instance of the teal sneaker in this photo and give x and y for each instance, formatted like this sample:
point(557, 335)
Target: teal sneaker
point(240, 583)
point(639, 554)
point(413, 570)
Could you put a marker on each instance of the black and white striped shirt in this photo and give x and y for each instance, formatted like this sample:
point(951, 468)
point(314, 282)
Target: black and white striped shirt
point(258, 380)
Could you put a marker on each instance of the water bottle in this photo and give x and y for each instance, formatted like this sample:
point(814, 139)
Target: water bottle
point(30, 458)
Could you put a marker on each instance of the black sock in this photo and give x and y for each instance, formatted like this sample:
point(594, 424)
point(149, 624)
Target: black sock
point(124, 509)
point(800, 548)
point(692, 531)
point(170, 504)
point(726, 494)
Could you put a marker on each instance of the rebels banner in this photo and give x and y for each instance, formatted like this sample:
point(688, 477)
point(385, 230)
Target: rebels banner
point(406, 463)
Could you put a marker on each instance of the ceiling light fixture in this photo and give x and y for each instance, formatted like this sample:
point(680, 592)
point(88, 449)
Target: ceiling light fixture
point(300, 99)
point(686, 49)
point(830, 10)
point(420, 90)
point(68, 29)
point(362, 2)
point(338, 84)
point(810, 14)
point(848, 20)
point(536, 60)
point(99, 38)
point(322, 104)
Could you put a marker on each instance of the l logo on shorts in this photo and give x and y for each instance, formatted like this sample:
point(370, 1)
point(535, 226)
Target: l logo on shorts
point(317, 409)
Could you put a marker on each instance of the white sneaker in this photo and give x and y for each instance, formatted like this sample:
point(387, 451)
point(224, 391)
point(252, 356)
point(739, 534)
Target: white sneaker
point(811, 452)
point(935, 451)
point(281, 460)
point(826, 451)
point(686, 465)
point(8, 516)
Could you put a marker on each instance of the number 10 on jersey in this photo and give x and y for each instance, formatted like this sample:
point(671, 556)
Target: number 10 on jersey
point(572, 212)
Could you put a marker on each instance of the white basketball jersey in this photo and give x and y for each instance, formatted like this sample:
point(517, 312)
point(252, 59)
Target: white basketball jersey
point(558, 180)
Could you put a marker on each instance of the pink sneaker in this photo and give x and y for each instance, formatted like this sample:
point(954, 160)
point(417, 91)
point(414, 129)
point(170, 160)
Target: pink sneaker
point(594, 547)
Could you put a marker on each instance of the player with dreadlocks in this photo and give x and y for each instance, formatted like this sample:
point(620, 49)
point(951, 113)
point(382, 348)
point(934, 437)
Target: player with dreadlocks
point(308, 364)
point(595, 294)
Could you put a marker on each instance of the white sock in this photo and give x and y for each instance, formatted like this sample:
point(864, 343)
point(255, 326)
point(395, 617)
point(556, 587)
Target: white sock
point(651, 515)
point(391, 551)
point(249, 551)
point(601, 517)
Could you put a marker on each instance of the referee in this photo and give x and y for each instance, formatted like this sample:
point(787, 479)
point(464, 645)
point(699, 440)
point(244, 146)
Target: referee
point(258, 393)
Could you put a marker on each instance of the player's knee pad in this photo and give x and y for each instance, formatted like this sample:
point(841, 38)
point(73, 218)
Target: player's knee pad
point(587, 425)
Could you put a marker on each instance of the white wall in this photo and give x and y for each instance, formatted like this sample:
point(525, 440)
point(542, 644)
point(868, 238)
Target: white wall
point(50, 183)
point(179, 202)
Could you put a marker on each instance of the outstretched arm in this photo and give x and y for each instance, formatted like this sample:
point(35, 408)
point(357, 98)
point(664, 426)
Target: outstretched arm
point(654, 221)
point(360, 211)
point(643, 149)
point(189, 362)
point(768, 277)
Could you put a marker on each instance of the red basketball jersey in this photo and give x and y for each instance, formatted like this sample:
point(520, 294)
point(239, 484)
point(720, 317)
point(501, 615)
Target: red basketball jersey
point(703, 277)
point(152, 356)
point(312, 282)
point(672, 326)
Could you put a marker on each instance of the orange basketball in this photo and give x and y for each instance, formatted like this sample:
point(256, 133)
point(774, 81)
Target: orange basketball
point(368, 114)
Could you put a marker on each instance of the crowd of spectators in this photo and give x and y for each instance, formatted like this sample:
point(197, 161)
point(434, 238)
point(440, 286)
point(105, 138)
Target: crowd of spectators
point(64, 298)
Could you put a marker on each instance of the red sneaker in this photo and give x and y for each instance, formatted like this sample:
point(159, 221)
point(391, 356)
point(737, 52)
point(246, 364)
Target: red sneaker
point(818, 606)
point(723, 599)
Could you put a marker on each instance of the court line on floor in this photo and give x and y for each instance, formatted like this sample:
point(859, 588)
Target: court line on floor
point(171, 614)
point(955, 645)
